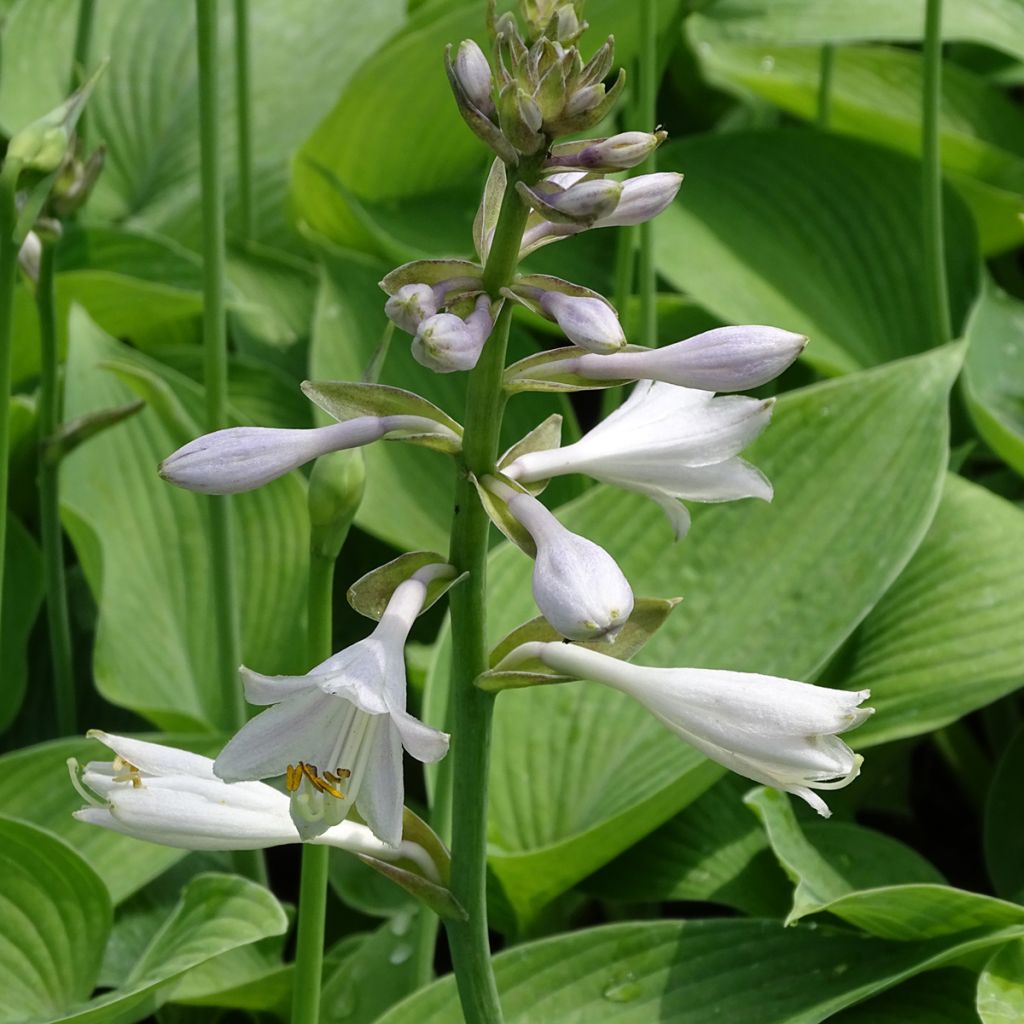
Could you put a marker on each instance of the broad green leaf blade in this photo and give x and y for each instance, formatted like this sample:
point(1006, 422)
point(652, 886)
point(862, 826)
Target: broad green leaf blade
point(679, 972)
point(144, 546)
point(56, 916)
point(818, 234)
point(875, 95)
point(23, 596)
point(409, 491)
point(393, 135)
point(857, 858)
point(858, 887)
point(581, 773)
point(714, 851)
point(216, 914)
point(994, 372)
point(34, 786)
point(1001, 986)
point(940, 644)
point(1003, 836)
point(938, 997)
point(996, 23)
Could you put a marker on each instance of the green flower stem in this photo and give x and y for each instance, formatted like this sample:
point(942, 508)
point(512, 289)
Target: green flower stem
point(243, 115)
point(646, 120)
point(931, 177)
point(470, 709)
point(57, 619)
point(309, 947)
point(80, 54)
point(215, 351)
point(825, 70)
point(8, 276)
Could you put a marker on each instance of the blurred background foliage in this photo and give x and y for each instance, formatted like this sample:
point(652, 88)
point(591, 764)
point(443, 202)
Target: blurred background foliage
point(648, 886)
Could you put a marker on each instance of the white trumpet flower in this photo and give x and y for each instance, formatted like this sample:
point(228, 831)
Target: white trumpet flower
point(577, 585)
point(243, 458)
point(774, 731)
point(337, 733)
point(669, 443)
point(172, 797)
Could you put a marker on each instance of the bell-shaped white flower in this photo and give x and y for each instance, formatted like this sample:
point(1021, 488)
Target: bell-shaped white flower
point(777, 732)
point(410, 306)
point(337, 733)
point(577, 585)
point(722, 359)
point(474, 74)
point(446, 343)
point(172, 797)
point(668, 442)
point(588, 322)
point(243, 458)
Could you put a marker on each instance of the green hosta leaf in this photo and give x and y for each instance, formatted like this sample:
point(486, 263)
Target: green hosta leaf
point(997, 23)
point(859, 886)
point(391, 136)
point(56, 918)
point(216, 914)
point(1001, 986)
point(409, 492)
point(34, 786)
point(940, 643)
point(1004, 839)
point(155, 644)
point(876, 95)
point(23, 595)
point(679, 972)
point(994, 372)
point(938, 997)
point(714, 851)
point(818, 234)
point(581, 773)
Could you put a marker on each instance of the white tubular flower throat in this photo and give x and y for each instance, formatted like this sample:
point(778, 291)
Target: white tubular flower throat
point(164, 795)
point(577, 585)
point(774, 731)
point(243, 458)
point(337, 733)
point(669, 443)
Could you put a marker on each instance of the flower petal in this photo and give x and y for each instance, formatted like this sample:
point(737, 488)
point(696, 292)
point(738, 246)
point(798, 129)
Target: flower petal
point(382, 793)
point(425, 744)
point(155, 758)
point(261, 689)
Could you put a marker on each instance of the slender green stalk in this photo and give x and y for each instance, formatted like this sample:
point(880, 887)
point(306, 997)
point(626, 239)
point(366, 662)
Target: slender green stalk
point(646, 119)
point(57, 619)
point(83, 44)
point(471, 709)
point(309, 948)
point(243, 113)
point(215, 353)
point(826, 67)
point(931, 177)
point(8, 275)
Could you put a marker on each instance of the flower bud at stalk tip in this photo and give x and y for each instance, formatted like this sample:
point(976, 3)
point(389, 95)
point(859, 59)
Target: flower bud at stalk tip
point(335, 492)
point(474, 75)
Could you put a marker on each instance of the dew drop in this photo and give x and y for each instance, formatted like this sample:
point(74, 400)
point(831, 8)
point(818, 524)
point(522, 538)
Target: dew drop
point(624, 990)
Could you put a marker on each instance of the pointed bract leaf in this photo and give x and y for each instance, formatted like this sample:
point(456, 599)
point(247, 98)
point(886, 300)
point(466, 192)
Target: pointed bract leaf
point(369, 595)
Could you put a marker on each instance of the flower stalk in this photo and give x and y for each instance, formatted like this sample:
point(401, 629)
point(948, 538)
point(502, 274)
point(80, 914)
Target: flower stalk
point(58, 623)
point(470, 709)
point(646, 275)
point(243, 119)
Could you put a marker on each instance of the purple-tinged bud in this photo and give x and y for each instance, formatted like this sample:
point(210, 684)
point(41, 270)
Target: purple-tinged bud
point(446, 343)
point(588, 322)
point(410, 306)
point(586, 203)
point(474, 74)
point(617, 153)
point(583, 100)
point(643, 198)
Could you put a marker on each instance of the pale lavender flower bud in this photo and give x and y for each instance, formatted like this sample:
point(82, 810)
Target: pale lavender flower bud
point(410, 306)
point(598, 198)
point(577, 585)
point(614, 154)
point(643, 198)
point(588, 322)
point(446, 343)
point(30, 254)
point(584, 99)
point(243, 458)
point(474, 74)
point(723, 359)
